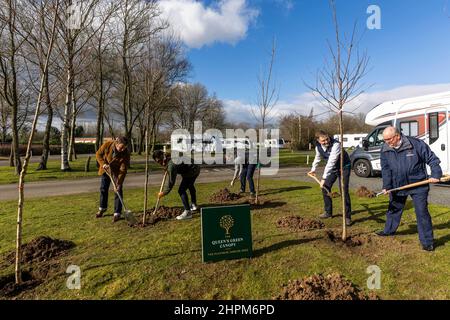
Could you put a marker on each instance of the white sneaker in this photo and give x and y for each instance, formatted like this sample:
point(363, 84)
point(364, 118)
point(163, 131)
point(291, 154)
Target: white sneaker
point(194, 207)
point(187, 214)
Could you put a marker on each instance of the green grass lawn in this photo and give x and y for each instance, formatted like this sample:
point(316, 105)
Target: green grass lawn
point(164, 261)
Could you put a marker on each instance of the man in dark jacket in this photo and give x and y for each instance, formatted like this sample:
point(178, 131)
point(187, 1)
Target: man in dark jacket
point(189, 173)
point(330, 150)
point(403, 161)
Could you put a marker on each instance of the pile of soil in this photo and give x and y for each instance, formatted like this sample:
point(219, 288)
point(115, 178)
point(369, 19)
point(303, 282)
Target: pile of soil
point(163, 213)
point(351, 241)
point(8, 287)
point(296, 223)
point(41, 249)
point(363, 192)
point(319, 287)
point(39, 263)
point(335, 194)
point(224, 195)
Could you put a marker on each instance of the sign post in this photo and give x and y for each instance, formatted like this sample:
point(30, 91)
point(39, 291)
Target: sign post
point(226, 233)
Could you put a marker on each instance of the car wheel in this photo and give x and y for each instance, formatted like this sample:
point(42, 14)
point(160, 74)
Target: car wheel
point(362, 168)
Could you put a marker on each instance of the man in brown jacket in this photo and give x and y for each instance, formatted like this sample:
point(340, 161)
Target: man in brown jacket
point(112, 157)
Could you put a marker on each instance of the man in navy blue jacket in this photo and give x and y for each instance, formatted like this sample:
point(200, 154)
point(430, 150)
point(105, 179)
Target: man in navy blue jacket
point(403, 161)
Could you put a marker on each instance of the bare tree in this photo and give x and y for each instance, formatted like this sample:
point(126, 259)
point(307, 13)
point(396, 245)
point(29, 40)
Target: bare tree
point(267, 98)
point(73, 41)
point(9, 71)
point(18, 272)
point(340, 82)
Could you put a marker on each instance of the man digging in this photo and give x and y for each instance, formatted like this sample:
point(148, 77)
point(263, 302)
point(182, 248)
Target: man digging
point(113, 158)
point(330, 150)
point(403, 161)
point(189, 173)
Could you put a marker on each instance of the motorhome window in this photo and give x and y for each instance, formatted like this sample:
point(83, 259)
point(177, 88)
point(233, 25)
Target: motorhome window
point(345, 139)
point(433, 125)
point(357, 138)
point(410, 128)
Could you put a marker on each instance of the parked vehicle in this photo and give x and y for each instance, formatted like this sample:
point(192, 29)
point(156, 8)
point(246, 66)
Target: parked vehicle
point(351, 141)
point(425, 117)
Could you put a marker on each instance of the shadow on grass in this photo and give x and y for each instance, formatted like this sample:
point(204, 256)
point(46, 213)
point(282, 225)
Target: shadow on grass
point(267, 205)
point(374, 213)
point(282, 245)
point(121, 262)
point(442, 241)
point(280, 190)
point(412, 228)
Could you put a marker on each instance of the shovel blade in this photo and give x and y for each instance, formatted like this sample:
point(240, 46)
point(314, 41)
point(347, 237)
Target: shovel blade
point(131, 219)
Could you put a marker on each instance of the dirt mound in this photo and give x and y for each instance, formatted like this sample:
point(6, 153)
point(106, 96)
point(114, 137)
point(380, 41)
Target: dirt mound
point(335, 194)
point(224, 195)
point(39, 263)
point(296, 223)
point(41, 249)
point(319, 287)
point(363, 192)
point(163, 213)
point(8, 287)
point(351, 241)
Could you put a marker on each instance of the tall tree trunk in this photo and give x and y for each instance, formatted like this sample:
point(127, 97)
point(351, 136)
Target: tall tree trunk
point(101, 109)
point(341, 132)
point(11, 155)
point(48, 127)
point(65, 128)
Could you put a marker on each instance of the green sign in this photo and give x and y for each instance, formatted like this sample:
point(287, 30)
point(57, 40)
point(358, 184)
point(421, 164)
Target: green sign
point(226, 233)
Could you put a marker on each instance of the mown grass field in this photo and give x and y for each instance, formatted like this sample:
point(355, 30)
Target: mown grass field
point(164, 261)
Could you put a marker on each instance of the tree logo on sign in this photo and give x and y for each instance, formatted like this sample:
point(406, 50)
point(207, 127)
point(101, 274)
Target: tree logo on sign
point(227, 222)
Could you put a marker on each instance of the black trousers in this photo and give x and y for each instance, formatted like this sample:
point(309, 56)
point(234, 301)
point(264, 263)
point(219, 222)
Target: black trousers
point(104, 188)
point(188, 184)
point(329, 181)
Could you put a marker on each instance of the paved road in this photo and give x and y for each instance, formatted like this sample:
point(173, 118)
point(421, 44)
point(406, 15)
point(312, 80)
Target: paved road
point(438, 195)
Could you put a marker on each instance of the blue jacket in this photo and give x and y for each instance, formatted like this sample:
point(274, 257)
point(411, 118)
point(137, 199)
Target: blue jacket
point(408, 165)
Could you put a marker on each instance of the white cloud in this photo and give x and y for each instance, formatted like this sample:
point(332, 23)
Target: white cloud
point(198, 25)
point(238, 111)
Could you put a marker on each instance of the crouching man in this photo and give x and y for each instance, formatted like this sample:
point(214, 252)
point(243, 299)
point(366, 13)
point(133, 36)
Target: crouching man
point(113, 158)
point(403, 161)
point(189, 173)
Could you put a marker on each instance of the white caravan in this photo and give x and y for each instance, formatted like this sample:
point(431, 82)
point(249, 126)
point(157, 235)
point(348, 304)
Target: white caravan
point(351, 140)
point(425, 117)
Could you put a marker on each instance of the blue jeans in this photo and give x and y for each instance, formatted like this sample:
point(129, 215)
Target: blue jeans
point(395, 211)
point(104, 188)
point(247, 173)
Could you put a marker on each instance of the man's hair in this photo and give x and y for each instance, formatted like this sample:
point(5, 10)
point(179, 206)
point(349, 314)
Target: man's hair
point(322, 134)
point(122, 140)
point(159, 155)
point(393, 129)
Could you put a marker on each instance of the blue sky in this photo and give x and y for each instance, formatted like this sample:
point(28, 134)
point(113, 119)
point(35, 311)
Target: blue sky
point(228, 43)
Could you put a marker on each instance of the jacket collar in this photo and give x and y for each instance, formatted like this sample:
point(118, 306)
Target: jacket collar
point(406, 144)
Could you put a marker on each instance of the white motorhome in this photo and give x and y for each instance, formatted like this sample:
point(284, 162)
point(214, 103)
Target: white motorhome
point(351, 140)
point(425, 117)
